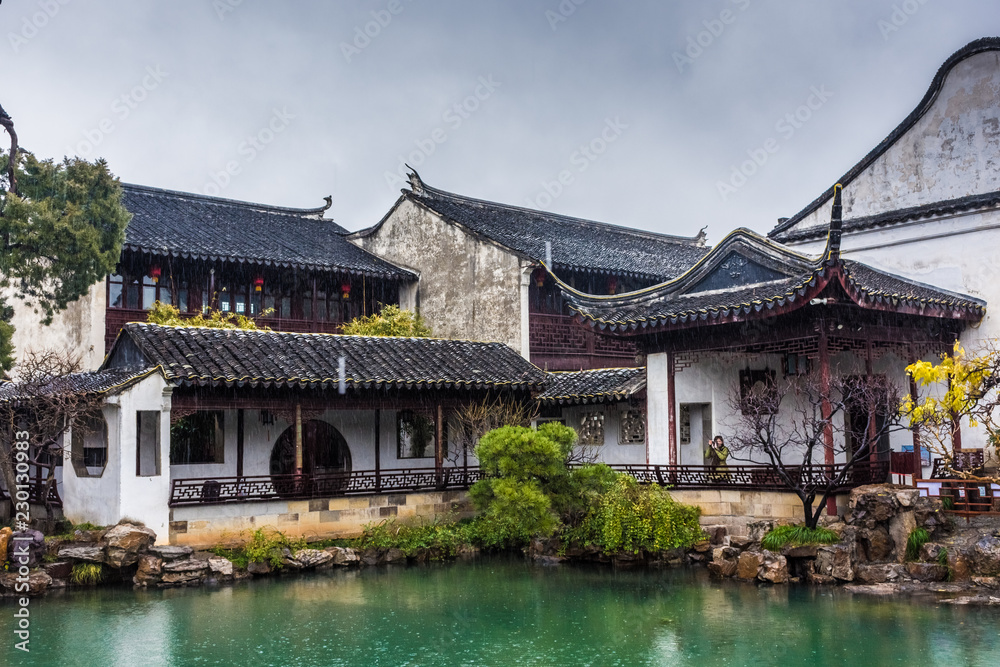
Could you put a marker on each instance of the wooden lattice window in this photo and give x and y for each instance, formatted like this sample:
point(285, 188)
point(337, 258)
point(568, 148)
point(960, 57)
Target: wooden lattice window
point(592, 428)
point(633, 427)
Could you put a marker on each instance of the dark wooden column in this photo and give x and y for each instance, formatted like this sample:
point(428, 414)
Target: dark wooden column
point(439, 445)
point(869, 371)
point(378, 451)
point(826, 409)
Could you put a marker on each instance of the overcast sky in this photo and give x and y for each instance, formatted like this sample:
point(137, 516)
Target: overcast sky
point(643, 109)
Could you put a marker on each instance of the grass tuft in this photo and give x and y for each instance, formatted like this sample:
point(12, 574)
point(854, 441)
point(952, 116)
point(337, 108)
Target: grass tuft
point(797, 536)
point(915, 542)
point(87, 574)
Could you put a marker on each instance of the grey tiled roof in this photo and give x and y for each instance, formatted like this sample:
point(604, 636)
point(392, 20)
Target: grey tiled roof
point(91, 382)
point(182, 224)
point(793, 282)
point(236, 358)
point(603, 385)
point(576, 243)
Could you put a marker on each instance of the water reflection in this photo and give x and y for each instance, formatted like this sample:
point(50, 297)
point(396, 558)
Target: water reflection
point(498, 612)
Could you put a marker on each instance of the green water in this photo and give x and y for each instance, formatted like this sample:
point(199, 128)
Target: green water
point(498, 613)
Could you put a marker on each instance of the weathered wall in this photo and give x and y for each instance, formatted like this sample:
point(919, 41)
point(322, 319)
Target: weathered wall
point(469, 288)
point(613, 450)
point(208, 525)
point(737, 509)
point(78, 330)
point(952, 151)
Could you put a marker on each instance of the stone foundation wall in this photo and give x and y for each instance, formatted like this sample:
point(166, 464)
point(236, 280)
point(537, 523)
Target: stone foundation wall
point(738, 509)
point(209, 525)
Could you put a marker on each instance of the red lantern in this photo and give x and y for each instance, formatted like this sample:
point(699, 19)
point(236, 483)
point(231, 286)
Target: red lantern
point(258, 283)
point(612, 285)
point(154, 273)
point(345, 291)
point(539, 276)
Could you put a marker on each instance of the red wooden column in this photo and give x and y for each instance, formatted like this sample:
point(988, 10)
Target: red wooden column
point(672, 412)
point(918, 469)
point(439, 445)
point(825, 408)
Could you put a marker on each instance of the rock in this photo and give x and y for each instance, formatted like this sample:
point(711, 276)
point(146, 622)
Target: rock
point(873, 503)
point(313, 557)
point(800, 552)
point(130, 537)
point(59, 570)
point(774, 569)
point(740, 542)
point(702, 546)
point(169, 553)
point(465, 552)
point(875, 589)
point(394, 556)
point(725, 553)
point(900, 527)
point(907, 497)
point(722, 568)
point(90, 554)
point(5, 536)
point(927, 571)
point(716, 534)
point(876, 544)
point(879, 573)
point(758, 529)
point(259, 567)
point(820, 579)
point(149, 571)
point(982, 600)
point(930, 551)
point(221, 568)
point(289, 561)
point(985, 555)
point(38, 581)
point(986, 582)
point(87, 535)
point(960, 566)
point(343, 556)
point(748, 565)
point(26, 547)
point(184, 572)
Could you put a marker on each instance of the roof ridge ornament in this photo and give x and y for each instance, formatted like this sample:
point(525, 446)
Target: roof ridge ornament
point(836, 226)
point(416, 184)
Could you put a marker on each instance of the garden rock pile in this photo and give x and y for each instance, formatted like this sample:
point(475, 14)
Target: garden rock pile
point(871, 556)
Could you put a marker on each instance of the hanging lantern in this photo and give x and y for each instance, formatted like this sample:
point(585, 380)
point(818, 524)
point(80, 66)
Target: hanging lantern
point(612, 285)
point(539, 276)
point(258, 283)
point(345, 291)
point(154, 273)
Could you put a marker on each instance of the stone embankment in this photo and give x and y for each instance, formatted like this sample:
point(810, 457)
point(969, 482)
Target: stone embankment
point(126, 554)
point(961, 555)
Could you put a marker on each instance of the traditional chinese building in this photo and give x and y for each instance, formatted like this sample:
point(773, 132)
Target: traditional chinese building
point(481, 275)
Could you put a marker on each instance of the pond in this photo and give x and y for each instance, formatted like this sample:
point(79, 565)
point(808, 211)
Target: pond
point(498, 612)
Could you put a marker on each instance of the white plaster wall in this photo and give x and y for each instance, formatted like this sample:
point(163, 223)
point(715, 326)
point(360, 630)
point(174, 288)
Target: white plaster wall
point(95, 499)
point(469, 288)
point(612, 451)
point(657, 410)
point(78, 330)
point(952, 151)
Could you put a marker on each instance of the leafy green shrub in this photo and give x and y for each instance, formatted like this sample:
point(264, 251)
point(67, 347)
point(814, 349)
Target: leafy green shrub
point(915, 542)
point(87, 574)
point(263, 545)
point(442, 536)
point(630, 517)
point(797, 536)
